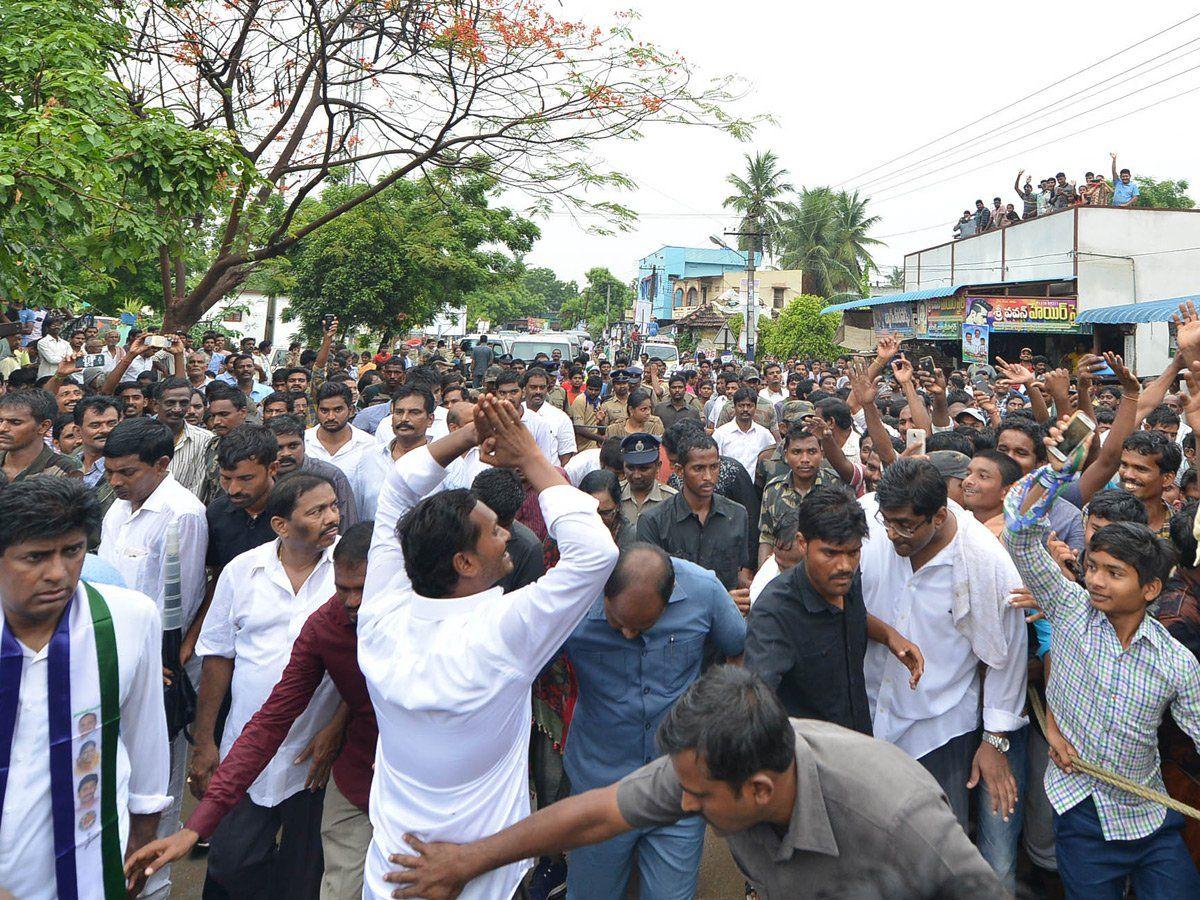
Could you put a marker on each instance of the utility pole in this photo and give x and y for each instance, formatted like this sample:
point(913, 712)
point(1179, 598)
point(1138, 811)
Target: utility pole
point(607, 306)
point(751, 293)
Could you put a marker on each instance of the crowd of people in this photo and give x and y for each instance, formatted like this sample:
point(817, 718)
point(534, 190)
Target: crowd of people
point(432, 622)
point(1052, 194)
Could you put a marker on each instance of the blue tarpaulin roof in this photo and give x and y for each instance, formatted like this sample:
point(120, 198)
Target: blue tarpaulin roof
point(1132, 313)
point(924, 294)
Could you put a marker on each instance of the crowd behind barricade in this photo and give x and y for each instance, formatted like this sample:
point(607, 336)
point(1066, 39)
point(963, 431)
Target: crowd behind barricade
point(434, 619)
point(1051, 195)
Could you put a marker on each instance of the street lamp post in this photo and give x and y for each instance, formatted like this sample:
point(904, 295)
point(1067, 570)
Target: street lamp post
point(751, 293)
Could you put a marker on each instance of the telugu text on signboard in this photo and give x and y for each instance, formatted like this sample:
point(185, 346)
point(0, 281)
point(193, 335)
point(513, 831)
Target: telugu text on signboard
point(1046, 314)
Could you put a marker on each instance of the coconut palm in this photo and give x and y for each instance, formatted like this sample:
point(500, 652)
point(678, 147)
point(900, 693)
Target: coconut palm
point(853, 224)
point(810, 240)
point(759, 200)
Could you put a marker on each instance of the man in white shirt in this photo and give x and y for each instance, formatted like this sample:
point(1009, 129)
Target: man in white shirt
point(773, 391)
point(133, 540)
point(785, 553)
point(44, 528)
point(508, 387)
point(261, 601)
point(448, 660)
point(930, 568)
point(536, 383)
point(412, 414)
point(743, 438)
point(334, 440)
point(52, 349)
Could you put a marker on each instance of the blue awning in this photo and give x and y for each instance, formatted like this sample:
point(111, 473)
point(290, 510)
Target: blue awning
point(928, 294)
point(1133, 313)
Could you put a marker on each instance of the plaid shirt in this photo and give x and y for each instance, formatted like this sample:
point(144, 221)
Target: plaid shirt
point(1108, 700)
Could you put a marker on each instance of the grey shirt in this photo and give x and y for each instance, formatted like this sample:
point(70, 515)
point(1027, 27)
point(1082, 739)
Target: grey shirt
point(863, 808)
point(347, 507)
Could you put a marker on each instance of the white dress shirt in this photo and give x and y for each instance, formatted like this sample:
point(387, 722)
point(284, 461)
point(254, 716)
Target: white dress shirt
point(254, 619)
point(581, 464)
point(461, 473)
point(143, 760)
point(744, 446)
point(946, 702)
point(773, 397)
point(539, 427)
point(764, 576)
point(348, 456)
point(562, 429)
point(450, 681)
point(50, 352)
point(135, 543)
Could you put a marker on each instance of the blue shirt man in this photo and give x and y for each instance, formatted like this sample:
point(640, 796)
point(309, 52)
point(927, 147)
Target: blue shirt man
point(634, 655)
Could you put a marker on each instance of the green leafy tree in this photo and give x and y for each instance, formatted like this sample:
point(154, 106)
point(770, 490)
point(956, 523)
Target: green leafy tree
point(305, 88)
point(1166, 194)
point(550, 291)
point(758, 199)
point(801, 330)
point(94, 184)
point(395, 260)
point(824, 234)
point(603, 292)
point(895, 278)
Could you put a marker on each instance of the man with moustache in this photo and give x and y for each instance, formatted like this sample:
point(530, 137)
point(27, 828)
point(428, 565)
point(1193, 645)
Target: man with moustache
point(412, 415)
point(172, 398)
point(289, 432)
point(327, 644)
point(96, 418)
point(261, 602)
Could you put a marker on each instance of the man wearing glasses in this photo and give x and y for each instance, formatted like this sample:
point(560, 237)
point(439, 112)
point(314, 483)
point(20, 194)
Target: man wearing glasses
point(935, 574)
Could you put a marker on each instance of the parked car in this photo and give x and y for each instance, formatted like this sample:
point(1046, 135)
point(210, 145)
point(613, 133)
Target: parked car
point(528, 346)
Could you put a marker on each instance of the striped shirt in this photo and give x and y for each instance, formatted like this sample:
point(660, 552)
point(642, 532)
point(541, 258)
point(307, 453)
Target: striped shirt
point(188, 463)
point(1108, 700)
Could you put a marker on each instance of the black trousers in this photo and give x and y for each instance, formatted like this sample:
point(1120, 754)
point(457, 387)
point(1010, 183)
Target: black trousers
point(245, 861)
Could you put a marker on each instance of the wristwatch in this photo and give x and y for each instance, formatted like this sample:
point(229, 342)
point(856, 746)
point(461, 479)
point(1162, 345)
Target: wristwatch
point(999, 741)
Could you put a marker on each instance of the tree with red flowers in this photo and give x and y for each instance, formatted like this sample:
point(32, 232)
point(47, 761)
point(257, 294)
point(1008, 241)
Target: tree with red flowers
point(386, 90)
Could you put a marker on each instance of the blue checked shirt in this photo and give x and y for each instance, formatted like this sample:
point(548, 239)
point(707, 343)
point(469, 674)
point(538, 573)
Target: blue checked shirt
point(1108, 700)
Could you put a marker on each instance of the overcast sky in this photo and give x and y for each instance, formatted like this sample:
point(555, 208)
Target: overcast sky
point(853, 85)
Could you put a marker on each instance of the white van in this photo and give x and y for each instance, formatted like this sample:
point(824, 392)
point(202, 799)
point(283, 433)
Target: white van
point(664, 350)
point(528, 346)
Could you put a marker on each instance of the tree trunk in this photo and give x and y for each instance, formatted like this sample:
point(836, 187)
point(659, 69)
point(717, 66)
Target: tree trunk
point(182, 312)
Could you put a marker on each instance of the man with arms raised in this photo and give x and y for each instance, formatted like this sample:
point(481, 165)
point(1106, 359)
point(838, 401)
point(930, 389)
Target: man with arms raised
point(78, 666)
point(805, 806)
point(449, 659)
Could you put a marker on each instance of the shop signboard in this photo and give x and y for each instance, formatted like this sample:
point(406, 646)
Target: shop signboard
point(894, 318)
point(976, 330)
point(940, 319)
point(1054, 315)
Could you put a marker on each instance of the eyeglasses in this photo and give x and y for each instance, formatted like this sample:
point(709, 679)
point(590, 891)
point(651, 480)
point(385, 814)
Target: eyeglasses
point(901, 530)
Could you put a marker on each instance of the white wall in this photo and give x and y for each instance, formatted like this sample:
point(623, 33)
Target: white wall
point(254, 320)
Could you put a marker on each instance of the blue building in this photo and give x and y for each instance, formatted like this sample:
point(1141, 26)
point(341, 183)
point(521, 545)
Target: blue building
point(658, 272)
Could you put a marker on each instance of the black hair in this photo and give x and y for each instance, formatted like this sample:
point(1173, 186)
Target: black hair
point(912, 482)
point(677, 378)
point(830, 513)
point(277, 397)
point(426, 375)
point(1189, 441)
point(287, 492)
point(332, 390)
point(299, 370)
point(501, 491)
point(431, 534)
point(219, 390)
point(254, 442)
point(1106, 415)
point(147, 439)
point(535, 372)
point(741, 395)
point(416, 390)
point(637, 398)
point(695, 441)
point(355, 544)
point(1162, 415)
point(22, 379)
point(507, 376)
point(786, 528)
point(288, 424)
point(949, 440)
point(1155, 443)
point(61, 421)
point(673, 436)
point(1031, 429)
point(602, 480)
point(981, 438)
point(837, 411)
point(171, 383)
point(1010, 472)
point(732, 721)
point(41, 404)
point(41, 508)
point(1117, 505)
point(797, 431)
point(611, 457)
point(1137, 547)
point(633, 567)
point(1183, 534)
point(96, 404)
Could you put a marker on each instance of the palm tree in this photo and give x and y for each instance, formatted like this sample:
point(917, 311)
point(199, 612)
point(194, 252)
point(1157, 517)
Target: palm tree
point(853, 224)
point(895, 278)
point(810, 239)
point(759, 200)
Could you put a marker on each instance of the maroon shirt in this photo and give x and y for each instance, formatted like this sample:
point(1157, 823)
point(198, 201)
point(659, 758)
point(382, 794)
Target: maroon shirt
point(326, 643)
